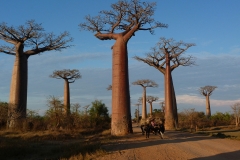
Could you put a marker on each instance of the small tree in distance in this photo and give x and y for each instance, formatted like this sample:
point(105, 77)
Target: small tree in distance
point(236, 112)
point(55, 112)
point(144, 83)
point(69, 76)
point(207, 92)
point(120, 24)
point(99, 114)
point(150, 100)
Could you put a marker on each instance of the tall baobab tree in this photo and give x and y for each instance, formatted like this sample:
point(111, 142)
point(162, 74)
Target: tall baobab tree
point(144, 83)
point(120, 24)
point(165, 57)
point(26, 40)
point(69, 76)
point(207, 92)
point(150, 100)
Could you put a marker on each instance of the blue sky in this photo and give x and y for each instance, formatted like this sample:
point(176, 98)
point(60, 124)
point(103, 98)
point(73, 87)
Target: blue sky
point(212, 25)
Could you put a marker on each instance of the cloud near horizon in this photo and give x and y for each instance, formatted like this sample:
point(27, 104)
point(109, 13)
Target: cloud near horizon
point(193, 100)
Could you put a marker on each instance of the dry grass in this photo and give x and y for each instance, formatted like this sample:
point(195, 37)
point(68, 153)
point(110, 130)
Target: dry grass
point(231, 132)
point(52, 145)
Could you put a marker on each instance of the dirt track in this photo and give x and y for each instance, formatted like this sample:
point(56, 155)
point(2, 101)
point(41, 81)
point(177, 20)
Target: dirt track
point(174, 146)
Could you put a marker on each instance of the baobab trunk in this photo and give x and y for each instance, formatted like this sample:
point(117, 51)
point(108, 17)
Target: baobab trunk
point(121, 118)
point(18, 89)
point(66, 102)
point(144, 108)
point(208, 111)
point(169, 115)
point(174, 106)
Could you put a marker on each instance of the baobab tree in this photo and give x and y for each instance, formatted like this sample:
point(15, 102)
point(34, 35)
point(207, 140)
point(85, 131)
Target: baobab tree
point(162, 106)
point(207, 92)
point(120, 24)
point(137, 105)
point(150, 100)
point(165, 57)
point(144, 83)
point(75, 107)
point(27, 40)
point(236, 112)
point(86, 109)
point(69, 76)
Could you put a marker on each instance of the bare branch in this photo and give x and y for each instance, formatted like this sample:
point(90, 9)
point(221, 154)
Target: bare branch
point(126, 17)
point(157, 57)
point(7, 50)
point(31, 35)
point(48, 42)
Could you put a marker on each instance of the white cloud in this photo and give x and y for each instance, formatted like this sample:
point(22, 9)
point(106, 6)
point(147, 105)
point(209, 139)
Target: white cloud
point(196, 100)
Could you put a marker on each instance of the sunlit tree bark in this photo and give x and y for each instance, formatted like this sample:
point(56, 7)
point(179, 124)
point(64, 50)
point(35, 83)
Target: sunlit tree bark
point(207, 92)
point(120, 24)
point(165, 57)
point(26, 40)
point(69, 76)
point(144, 83)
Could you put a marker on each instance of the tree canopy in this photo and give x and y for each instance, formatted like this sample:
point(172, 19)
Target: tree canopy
point(126, 16)
point(157, 57)
point(67, 74)
point(207, 90)
point(145, 83)
point(33, 37)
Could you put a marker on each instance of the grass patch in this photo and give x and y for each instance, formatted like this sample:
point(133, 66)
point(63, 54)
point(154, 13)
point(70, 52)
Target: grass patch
point(51, 145)
point(231, 135)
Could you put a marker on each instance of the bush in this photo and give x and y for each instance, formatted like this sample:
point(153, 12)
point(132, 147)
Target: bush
point(3, 114)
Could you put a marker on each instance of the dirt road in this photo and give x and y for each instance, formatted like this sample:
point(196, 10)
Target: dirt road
point(175, 146)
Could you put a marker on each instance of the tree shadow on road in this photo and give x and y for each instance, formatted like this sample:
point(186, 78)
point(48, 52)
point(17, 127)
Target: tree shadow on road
point(223, 156)
point(137, 140)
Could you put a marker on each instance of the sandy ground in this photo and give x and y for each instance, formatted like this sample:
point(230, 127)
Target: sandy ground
point(175, 146)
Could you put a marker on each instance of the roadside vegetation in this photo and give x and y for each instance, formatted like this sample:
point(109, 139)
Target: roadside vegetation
point(82, 133)
point(56, 135)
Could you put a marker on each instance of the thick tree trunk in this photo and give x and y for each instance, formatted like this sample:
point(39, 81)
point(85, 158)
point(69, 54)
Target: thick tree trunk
point(121, 115)
point(174, 105)
point(66, 102)
point(18, 89)
point(169, 115)
point(144, 108)
point(208, 111)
